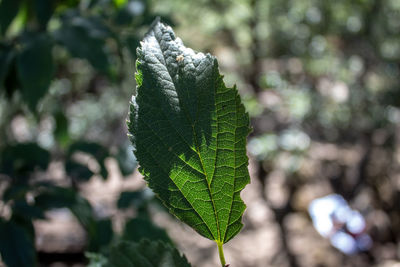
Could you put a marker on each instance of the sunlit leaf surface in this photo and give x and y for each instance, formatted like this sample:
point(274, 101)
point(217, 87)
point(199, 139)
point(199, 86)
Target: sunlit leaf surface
point(189, 132)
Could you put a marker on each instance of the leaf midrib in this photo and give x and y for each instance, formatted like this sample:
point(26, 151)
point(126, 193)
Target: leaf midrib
point(196, 147)
point(193, 208)
point(234, 155)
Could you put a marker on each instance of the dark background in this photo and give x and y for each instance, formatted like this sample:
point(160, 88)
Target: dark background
point(320, 80)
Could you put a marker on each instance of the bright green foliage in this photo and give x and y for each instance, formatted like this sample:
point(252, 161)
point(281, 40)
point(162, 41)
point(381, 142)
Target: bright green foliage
point(189, 132)
point(146, 254)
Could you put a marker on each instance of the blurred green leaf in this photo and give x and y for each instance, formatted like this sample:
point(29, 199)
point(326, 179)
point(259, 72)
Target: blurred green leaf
point(44, 10)
point(8, 11)
point(82, 210)
point(165, 18)
point(35, 67)
point(99, 152)
point(85, 37)
point(120, 3)
point(11, 83)
point(100, 234)
point(22, 159)
point(126, 199)
point(25, 223)
point(56, 197)
point(99, 231)
point(130, 11)
point(132, 43)
point(22, 209)
point(146, 254)
point(142, 228)
point(15, 191)
point(16, 245)
point(78, 171)
point(6, 56)
point(61, 130)
point(126, 160)
point(60, 197)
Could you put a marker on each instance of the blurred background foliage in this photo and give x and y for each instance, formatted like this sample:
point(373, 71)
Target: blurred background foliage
point(65, 83)
point(320, 80)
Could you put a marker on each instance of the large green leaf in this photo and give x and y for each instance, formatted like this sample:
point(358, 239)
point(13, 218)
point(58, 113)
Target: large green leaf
point(146, 254)
point(189, 132)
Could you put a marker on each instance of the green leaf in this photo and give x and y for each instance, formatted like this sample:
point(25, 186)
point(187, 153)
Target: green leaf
point(189, 132)
point(8, 11)
point(60, 197)
point(16, 245)
point(131, 198)
point(6, 57)
point(132, 43)
point(126, 160)
point(20, 160)
point(35, 67)
point(142, 228)
point(146, 254)
point(56, 197)
point(61, 129)
point(78, 171)
point(99, 230)
point(22, 209)
point(130, 11)
point(100, 234)
point(85, 37)
point(99, 152)
point(15, 191)
point(119, 3)
point(44, 9)
point(10, 83)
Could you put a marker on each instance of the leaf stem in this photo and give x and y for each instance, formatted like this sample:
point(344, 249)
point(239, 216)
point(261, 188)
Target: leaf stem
point(221, 253)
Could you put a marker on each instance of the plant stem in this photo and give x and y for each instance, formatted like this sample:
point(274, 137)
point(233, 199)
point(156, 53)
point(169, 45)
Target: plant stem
point(221, 253)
